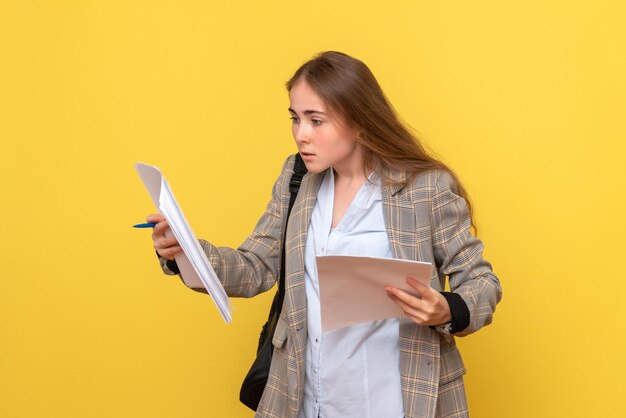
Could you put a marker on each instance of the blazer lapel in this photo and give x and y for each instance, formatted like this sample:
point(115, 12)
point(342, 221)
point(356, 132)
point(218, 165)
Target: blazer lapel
point(296, 241)
point(399, 216)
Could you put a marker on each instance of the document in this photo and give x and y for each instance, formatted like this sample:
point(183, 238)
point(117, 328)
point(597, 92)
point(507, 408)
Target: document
point(352, 289)
point(193, 264)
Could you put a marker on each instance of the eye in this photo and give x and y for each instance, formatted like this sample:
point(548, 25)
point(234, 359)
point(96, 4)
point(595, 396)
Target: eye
point(294, 119)
point(316, 122)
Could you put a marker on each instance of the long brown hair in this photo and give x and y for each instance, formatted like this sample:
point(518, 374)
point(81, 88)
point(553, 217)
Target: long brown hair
point(348, 88)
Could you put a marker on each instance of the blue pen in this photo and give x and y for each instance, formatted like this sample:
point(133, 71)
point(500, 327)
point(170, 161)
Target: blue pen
point(146, 225)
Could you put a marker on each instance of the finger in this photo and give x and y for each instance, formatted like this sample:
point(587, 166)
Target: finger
point(171, 252)
point(416, 284)
point(408, 299)
point(155, 217)
point(420, 317)
point(159, 229)
point(426, 292)
point(165, 242)
point(415, 315)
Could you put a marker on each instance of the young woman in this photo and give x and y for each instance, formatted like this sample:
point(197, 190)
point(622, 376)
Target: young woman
point(371, 190)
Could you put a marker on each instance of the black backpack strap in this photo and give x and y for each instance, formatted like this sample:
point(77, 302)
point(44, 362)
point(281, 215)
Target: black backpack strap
point(299, 170)
point(255, 381)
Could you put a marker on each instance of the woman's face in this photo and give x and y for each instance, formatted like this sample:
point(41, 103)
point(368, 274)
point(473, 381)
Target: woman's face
point(323, 139)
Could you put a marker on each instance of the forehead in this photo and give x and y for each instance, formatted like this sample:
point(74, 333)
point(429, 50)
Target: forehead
point(302, 97)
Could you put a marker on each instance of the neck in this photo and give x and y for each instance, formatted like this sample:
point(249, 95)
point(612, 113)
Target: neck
point(351, 169)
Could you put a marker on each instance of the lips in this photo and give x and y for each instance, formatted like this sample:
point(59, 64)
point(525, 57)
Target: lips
point(306, 154)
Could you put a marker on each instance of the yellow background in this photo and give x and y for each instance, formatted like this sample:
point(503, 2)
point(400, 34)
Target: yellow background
point(525, 100)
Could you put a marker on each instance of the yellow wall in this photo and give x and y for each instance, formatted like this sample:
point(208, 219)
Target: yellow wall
point(526, 100)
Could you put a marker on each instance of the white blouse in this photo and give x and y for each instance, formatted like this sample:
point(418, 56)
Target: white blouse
point(355, 371)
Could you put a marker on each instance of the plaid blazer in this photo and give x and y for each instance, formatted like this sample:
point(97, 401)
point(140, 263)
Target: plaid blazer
point(426, 221)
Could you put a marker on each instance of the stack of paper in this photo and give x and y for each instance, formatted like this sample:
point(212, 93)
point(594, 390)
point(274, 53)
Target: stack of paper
point(352, 289)
point(192, 263)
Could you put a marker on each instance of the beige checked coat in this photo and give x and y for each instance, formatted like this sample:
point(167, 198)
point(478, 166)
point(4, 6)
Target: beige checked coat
point(426, 221)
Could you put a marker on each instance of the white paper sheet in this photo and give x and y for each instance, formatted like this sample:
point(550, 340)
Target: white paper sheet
point(352, 289)
point(193, 264)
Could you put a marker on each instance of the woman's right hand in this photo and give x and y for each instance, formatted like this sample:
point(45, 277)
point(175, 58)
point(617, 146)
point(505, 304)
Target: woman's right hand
point(166, 247)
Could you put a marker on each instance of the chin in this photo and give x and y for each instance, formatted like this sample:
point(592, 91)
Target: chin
point(315, 168)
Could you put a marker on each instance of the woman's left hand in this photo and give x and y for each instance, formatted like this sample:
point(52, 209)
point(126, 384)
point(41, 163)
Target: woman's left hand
point(429, 308)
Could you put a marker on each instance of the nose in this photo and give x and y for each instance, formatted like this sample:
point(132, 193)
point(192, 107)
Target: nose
point(300, 133)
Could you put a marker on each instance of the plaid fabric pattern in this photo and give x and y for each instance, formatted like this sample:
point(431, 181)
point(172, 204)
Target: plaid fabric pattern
point(426, 221)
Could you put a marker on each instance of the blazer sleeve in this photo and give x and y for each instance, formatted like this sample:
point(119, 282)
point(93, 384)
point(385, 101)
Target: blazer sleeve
point(253, 267)
point(458, 255)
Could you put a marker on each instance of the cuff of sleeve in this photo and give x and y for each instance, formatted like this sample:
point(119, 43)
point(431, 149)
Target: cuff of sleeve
point(459, 311)
point(171, 265)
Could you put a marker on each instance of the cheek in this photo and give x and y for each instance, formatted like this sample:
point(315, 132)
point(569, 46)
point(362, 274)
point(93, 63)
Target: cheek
point(345, 146)
point(333, 146)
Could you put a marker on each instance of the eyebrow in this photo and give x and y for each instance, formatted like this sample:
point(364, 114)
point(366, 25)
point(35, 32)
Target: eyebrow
point(308, 112)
